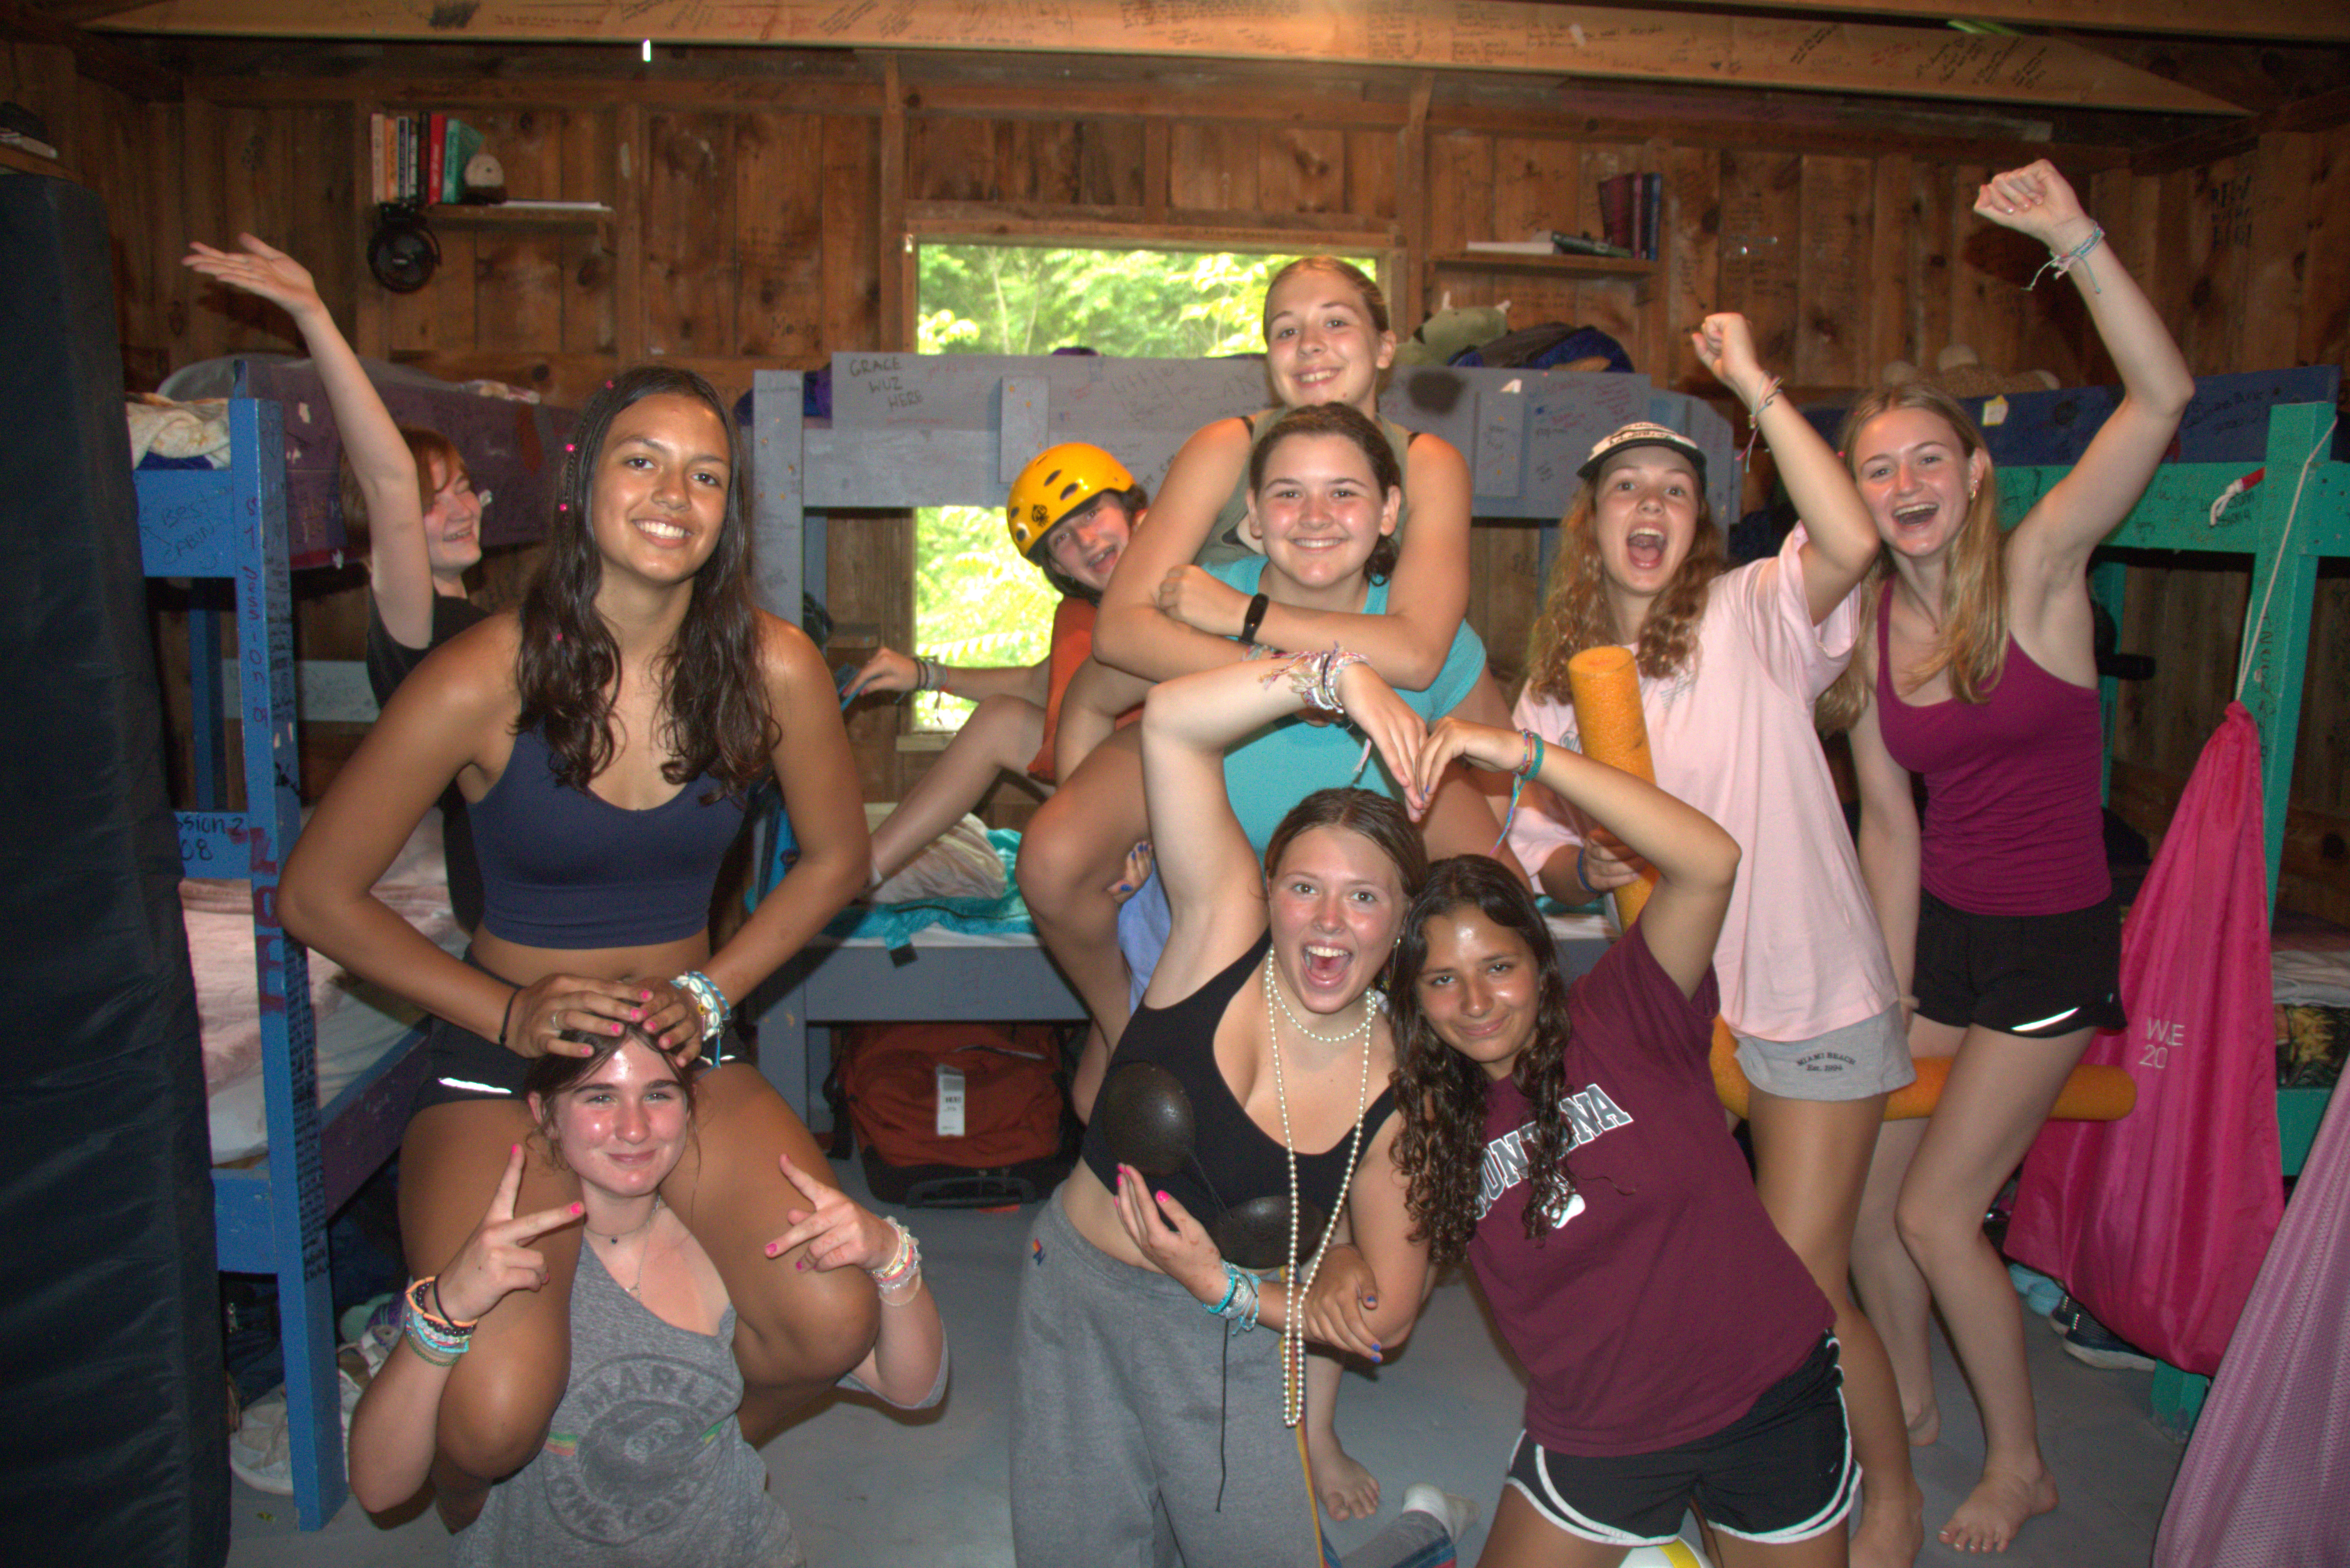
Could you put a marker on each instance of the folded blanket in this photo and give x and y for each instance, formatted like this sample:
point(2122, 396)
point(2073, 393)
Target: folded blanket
point(894, 925)
point(167, 428)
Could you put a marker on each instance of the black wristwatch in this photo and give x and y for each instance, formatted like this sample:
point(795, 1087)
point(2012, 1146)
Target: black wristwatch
point(1254, 618)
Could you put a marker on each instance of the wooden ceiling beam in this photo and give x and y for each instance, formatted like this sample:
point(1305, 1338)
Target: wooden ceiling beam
point(1505, 35)
point(100, 60)
point(2311, 21)
point(2321, 111)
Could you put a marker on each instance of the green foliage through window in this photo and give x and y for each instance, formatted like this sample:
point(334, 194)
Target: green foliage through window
point(976, 602)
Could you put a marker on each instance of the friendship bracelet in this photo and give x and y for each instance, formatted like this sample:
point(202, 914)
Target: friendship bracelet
point(2063, 262)
point(904, 1262)
point(1527, 769)
point(1232, 1289)
point(1580, 879)
point(1254, 618)
point(708, 1000)
point(428, 1351)
point(1754, 426)
point(506, 1018)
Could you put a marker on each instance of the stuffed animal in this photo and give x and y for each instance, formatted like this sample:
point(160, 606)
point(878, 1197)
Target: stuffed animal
point(1451, 330)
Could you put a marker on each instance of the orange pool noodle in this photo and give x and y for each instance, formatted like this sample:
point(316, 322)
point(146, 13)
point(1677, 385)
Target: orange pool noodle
point(1605, 685)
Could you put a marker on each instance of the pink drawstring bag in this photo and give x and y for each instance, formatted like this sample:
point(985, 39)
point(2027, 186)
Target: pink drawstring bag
point(2157, 1222)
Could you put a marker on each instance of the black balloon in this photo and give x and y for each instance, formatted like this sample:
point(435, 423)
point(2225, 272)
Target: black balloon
point(1145, 1117)
point(1255, 1234)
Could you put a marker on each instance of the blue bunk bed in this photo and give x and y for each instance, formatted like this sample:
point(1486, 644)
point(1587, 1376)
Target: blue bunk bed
point(226, 529)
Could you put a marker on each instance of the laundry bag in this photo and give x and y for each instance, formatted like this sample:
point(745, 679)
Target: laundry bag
point(2158, 1221)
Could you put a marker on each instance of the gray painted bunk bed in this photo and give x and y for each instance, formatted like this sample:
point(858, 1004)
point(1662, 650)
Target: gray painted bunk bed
point(910, 430)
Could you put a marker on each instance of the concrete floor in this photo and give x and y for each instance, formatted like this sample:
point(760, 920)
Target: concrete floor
point(868, 1489)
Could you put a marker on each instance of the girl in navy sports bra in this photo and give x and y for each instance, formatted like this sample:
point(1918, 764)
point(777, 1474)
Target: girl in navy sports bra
point(606, 736)
point(1983, 675)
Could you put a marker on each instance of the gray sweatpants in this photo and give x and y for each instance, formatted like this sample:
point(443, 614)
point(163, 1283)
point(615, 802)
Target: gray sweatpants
point(1143, 1438)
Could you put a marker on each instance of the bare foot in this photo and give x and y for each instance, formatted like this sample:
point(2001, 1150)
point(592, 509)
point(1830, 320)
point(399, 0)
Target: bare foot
point(1891, 1528)
point(1347, 1490)
point(1925, 1425)
point(1996, 1509)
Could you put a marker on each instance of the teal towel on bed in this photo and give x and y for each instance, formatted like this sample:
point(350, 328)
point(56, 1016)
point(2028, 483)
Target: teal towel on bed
point(894, 925)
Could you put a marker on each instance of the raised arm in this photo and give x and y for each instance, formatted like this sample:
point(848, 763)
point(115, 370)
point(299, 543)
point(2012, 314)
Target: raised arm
point(1696, 861)
point(2050, 550)
point(1095, 696)
point(1840, 538)
point(400, 574)
point(1888, 844)
point(908, 1362)
point(1204, 858)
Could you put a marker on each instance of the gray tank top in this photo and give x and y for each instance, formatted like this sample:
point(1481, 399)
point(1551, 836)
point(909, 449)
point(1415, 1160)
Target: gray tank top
point(644, 1466)
point(1226, 543)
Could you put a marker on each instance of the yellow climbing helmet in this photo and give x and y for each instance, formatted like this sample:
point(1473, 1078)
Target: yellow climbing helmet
point(1056, 481)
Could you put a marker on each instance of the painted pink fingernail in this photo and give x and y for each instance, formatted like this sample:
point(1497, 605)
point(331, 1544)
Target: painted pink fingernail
point(773, 1249)
point(1160, 1195)
point(636, 1012)
point(577, 1210)
point(644, 996)
point(801, 1265)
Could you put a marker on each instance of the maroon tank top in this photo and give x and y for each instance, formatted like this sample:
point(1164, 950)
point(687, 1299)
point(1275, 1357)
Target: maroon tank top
point(2014, 821)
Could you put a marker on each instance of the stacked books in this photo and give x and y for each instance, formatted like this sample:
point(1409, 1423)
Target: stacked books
point(1631, 211)
point(1547, 242)
point(419, 159)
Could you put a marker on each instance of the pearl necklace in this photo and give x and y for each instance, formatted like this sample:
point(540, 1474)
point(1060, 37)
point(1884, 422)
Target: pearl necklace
point(1372, 1003)
point(1293, 1335)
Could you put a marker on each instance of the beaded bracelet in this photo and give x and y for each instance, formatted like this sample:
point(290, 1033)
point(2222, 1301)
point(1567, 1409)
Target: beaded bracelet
point(1315, 678)
point(905, 1265)
point(1754, 431)
point(438, 1338)
point(708, 1000)
point(1242, 1301)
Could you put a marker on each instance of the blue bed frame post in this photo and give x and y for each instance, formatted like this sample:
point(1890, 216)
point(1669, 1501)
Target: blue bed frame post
point(232, 524)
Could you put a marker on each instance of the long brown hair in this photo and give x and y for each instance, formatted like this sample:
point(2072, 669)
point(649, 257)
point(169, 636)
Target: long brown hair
point(714, 717)
point(1350, 423)
point(1972, 645)
point(1575, 614)
point(1441, 1094)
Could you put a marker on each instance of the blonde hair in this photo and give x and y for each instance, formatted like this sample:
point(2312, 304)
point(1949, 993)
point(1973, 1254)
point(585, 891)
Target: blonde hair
point(1973, 644)
point(1575, 614)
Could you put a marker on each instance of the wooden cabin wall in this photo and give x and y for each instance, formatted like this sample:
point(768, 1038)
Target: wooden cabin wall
point(2249, 259)
point(750, 230)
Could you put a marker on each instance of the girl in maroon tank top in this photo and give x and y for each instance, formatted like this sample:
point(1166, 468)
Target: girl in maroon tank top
point(1982, 677)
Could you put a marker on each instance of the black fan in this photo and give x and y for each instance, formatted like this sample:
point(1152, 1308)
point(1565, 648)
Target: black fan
point(403, 256)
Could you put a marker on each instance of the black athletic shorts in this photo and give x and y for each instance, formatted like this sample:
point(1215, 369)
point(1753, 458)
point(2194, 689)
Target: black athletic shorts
point(2039, 976)
point(459, 1064)
point(1783, 1471)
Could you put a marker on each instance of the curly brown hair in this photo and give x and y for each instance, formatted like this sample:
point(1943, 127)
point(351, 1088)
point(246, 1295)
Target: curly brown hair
point(714, 717)
point(1441, 1094)
point(1575, 614)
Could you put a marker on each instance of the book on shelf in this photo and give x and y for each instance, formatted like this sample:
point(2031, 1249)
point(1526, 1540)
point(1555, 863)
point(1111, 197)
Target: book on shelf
point(420, 158)
point(1617, 223)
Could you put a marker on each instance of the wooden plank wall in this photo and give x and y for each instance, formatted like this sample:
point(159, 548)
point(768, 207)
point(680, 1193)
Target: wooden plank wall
point(756, 228)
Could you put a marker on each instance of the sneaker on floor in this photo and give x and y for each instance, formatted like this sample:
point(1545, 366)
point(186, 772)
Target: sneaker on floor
point(2064, 1315)
point(260, 1453)
point(2091, 1342)
point(1452, 1510)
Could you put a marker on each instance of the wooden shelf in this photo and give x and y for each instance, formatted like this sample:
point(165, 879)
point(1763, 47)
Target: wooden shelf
point(1628, 268)
point(32, 163)
point(459, 218)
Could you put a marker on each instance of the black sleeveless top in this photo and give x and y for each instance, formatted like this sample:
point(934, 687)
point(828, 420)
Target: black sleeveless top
point(1233, 1161)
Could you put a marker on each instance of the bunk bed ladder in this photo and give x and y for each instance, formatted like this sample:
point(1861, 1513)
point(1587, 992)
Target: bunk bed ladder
point(230, 524)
